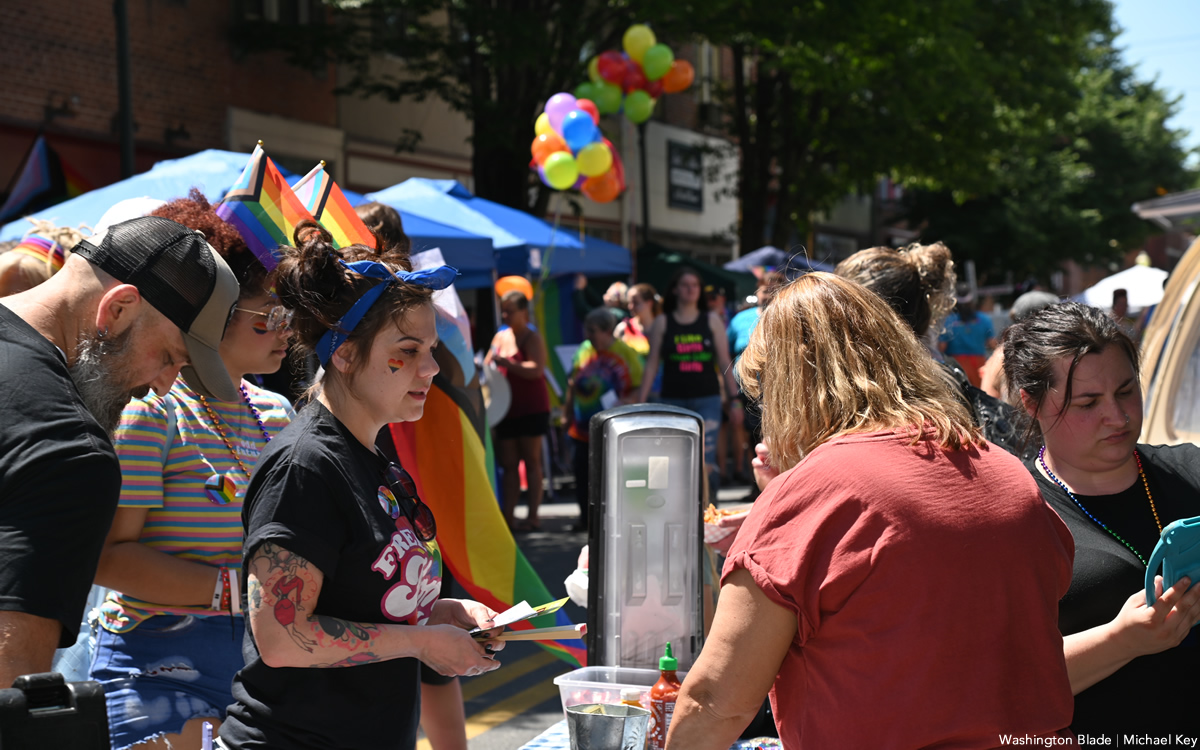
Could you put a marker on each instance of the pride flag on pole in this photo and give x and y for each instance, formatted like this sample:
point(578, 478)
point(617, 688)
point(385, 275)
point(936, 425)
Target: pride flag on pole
point(321, 196)
point(446, 455)
point(263, 208)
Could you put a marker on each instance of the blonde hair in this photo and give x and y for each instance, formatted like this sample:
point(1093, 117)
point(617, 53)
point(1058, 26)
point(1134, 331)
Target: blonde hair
point(829, 357)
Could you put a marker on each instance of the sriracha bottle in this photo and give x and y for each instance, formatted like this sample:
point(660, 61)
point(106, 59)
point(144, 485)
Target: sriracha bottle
point(662, 700)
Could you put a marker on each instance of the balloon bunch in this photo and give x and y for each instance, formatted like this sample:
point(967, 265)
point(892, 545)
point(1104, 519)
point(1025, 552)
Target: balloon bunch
point(570, 151)
point(635, 79)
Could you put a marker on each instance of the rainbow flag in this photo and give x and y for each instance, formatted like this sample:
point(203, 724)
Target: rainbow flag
point(554, 316)
point(43, 180)
point(328, 205)
point(263, 208)
point(447, 455)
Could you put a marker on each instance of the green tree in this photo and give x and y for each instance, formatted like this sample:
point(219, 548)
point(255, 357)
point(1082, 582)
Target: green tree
point(1065, 191)
point(827, 96)
point(495, 61)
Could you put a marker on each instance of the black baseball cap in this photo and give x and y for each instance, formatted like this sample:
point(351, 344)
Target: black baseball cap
point(180, 274)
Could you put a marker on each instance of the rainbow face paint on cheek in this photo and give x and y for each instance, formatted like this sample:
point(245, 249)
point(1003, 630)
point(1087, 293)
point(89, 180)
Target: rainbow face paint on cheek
point(394, 365)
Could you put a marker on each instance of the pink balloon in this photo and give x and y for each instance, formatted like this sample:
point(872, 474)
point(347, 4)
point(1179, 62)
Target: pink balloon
point(558, 107)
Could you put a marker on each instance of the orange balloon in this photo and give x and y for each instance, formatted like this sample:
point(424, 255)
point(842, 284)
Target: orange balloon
point(602, 189)
point(679, 77)
point(508, 284)
point(547, 144)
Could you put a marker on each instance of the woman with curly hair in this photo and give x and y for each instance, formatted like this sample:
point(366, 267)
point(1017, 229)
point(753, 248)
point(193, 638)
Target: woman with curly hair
point(168, 636)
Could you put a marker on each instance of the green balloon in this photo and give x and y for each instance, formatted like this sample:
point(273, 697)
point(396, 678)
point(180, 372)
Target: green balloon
point(561, 170)
point(607, 97)
point(639, 106)
point(657, 62)
point(585, 90)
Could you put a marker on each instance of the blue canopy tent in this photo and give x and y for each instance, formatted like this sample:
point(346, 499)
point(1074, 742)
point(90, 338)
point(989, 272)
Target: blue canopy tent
point(212, 171)
point(413, 197)
point(773, 258)
point(469, 253)
point(569, 256)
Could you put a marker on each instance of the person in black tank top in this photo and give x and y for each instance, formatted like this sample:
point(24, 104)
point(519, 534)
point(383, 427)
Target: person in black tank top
point(693, 349)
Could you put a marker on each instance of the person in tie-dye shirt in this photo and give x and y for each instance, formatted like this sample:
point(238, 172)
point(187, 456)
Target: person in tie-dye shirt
point(168, 640)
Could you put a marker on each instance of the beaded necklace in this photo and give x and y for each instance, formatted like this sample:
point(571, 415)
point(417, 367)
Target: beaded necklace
point(1145, 483)
point(221, 430)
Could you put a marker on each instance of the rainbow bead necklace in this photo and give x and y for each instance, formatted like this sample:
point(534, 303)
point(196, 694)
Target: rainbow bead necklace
point(221, 430)
point(1145, 483)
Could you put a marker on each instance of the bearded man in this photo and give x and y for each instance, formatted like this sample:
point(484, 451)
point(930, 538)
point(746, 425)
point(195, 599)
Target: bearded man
point(128, 310)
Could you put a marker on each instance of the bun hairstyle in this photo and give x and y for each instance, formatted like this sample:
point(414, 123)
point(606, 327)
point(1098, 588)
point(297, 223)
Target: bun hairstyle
point(387, 226)
point(310, 280)
point(195, 212)
point(917, 280)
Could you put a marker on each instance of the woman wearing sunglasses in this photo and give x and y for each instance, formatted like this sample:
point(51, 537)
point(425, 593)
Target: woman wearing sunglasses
point(169, 636)
point(340, 559)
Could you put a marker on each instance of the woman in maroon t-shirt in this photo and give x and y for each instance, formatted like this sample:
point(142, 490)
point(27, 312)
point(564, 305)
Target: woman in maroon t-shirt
point(898, 584)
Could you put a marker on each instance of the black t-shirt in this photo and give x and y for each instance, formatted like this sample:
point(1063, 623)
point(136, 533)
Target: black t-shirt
point(1158, 692)
point(689, 359)
point(59, 481)
point(315, 492)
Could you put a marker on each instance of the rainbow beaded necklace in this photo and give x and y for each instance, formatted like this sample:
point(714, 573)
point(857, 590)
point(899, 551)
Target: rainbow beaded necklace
point(221, 429)
point(1145, 483)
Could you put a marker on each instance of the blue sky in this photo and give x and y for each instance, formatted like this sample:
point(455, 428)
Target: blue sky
point(1162, 37)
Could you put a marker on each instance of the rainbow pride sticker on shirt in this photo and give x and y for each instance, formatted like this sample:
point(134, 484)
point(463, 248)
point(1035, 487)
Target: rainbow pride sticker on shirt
point(221, 489)
point(394, 364)
point(388, 502)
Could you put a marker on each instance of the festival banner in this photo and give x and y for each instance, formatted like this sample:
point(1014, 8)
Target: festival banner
point(43, 180)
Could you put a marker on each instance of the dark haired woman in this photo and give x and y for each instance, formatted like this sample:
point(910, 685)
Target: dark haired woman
point(520, 354)
point(168, 635)
point(340, 559)
point(1132, 666)
point(694, 349)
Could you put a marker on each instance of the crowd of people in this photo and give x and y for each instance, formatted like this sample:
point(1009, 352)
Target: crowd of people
point(948, 547)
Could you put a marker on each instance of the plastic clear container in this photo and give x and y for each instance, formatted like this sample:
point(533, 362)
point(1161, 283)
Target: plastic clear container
point(604, 684)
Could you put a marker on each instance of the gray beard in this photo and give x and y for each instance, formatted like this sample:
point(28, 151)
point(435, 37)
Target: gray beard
point(98, 377)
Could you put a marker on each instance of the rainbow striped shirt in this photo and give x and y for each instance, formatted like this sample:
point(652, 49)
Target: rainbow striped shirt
point(168, 480)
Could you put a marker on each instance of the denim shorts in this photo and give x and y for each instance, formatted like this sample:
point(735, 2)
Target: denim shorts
point(166, 671)
point(709, 409)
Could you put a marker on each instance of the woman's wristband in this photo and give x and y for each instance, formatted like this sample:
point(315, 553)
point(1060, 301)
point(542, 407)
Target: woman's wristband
point(220, 590)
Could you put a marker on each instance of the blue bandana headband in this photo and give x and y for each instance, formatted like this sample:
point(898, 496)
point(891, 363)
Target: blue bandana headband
point(434, 278)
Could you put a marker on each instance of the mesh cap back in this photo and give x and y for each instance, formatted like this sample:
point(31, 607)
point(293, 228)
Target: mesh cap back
point(181, 276)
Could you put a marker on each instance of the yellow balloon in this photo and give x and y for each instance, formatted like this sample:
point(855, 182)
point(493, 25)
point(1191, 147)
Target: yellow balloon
point(638, 38)
point(594, 160)
point(542, 126)
point(594, 70)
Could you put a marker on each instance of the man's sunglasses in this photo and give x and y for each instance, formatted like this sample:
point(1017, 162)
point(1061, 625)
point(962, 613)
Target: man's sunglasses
point(402, 486)
point(278, 317)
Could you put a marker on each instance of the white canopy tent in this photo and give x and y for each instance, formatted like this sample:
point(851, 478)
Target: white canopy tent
point(1143, 283)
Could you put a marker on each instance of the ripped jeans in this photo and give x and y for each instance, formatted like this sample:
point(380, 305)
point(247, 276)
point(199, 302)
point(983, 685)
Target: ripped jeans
point(166, 671)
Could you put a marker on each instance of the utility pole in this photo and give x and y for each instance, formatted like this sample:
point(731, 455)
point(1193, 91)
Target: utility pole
point(124, 89)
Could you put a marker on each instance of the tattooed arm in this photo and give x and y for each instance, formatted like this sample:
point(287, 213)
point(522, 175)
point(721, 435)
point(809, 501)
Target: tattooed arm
point(282, 590)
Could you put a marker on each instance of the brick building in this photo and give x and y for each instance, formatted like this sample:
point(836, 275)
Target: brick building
point(191, 89)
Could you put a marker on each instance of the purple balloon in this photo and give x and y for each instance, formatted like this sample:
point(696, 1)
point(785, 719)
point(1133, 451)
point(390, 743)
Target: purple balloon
point(579, 183)
point(542, 176)
point(558, 107)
